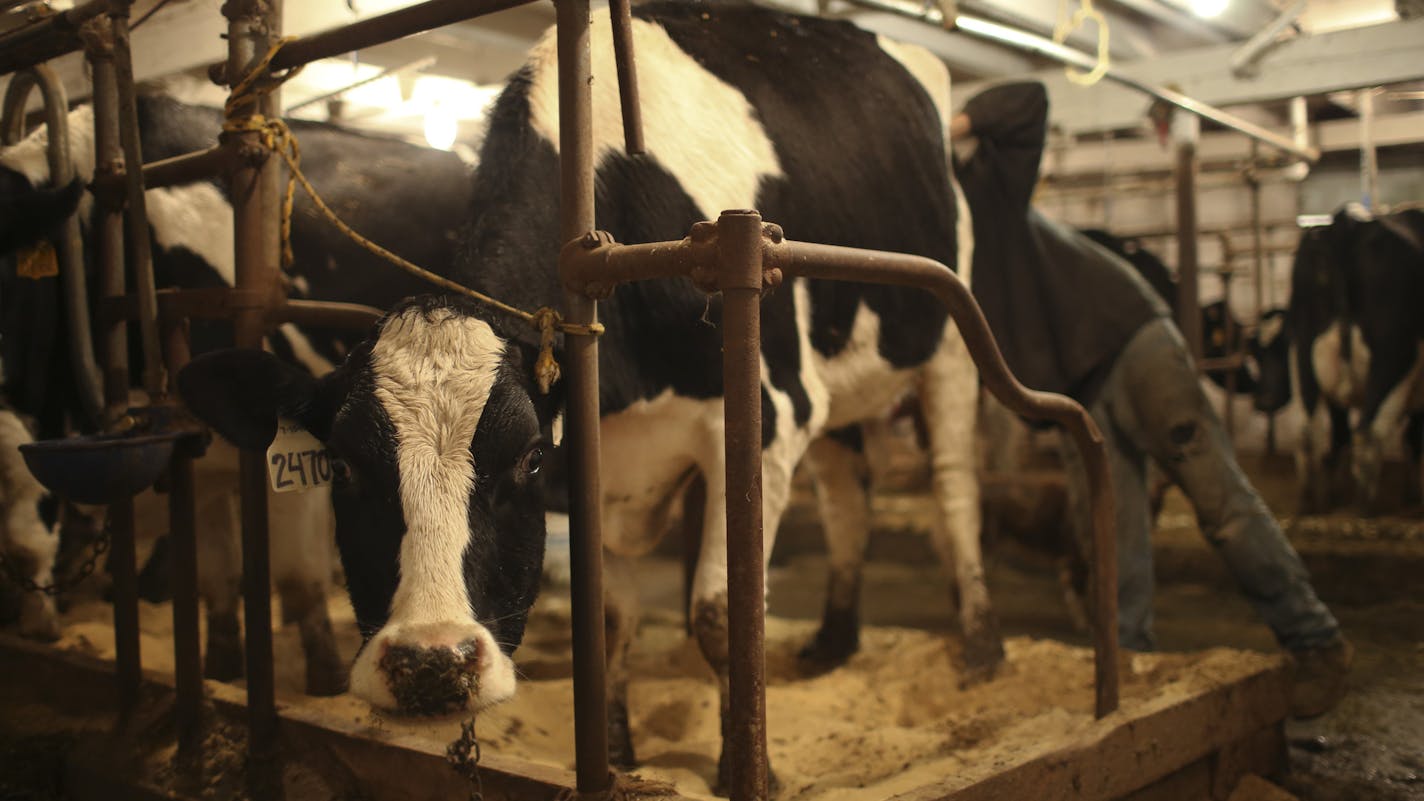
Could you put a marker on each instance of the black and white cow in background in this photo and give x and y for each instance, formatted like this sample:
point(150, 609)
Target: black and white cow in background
point(410, 198)
point(434, 422)
point(1353, 341)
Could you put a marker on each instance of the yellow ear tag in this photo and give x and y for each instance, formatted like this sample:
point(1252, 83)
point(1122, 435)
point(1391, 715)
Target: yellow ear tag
point(38, 262)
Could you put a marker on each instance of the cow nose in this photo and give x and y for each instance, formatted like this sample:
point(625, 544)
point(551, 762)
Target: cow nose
point(433, 680)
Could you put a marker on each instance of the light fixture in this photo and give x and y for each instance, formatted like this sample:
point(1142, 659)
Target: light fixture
point(440, 127)
point(1208, 8)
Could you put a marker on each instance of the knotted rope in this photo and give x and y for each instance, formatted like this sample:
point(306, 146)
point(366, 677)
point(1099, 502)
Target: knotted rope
point(277, 137)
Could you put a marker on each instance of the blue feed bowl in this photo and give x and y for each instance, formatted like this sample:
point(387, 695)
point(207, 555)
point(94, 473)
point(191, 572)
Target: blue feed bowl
point(100, 470)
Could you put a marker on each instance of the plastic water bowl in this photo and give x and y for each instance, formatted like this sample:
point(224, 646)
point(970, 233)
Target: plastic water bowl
point(100, 470)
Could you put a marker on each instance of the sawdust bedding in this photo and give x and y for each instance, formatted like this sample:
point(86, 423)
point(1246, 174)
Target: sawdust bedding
point(891, 720)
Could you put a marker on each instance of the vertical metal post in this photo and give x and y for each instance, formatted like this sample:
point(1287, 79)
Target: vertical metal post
point(1188, 295)
point(1369, 158)
point(182, 533)
point(576, 218)
point(109, 159)
point(739, 240)
point(253, 26)
point(136, 214)
point(620, 15)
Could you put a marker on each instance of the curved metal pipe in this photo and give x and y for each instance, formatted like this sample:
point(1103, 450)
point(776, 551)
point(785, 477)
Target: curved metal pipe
point(71, 245)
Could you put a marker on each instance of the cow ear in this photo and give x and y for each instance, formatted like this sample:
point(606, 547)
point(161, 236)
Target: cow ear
point(242, 392)
point(33, 214)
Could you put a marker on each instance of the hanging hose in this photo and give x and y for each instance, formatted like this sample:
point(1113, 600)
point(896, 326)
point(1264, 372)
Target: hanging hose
point(1086, 12)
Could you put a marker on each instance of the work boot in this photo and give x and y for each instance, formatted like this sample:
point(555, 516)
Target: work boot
point(1320, 678)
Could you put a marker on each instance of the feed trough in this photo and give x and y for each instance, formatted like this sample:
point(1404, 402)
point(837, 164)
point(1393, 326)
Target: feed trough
point(101, 469)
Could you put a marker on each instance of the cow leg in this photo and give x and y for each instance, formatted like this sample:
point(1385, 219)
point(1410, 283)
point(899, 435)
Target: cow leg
point(1384, 416)
point(842, 479)
point(1322, 444)
point(219, 582)
point(949, 396)
point(620, 618)
point(301, 525)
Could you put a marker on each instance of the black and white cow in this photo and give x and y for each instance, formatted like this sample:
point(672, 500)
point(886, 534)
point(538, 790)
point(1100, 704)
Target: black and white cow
point(838, 136)
point(410, 198)
point(1353, 341)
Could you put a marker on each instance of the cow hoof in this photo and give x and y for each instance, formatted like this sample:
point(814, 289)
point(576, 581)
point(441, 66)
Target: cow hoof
point(983, 654)
point(223, 661)
point(826, 652)
point(620, 738)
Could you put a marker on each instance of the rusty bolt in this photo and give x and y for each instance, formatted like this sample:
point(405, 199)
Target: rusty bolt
point(704, 231)
point(773, 232)
point(217, 73)
point(772, 278)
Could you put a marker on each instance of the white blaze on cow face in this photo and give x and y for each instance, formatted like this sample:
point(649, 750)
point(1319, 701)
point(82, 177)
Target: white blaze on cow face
point(700, 129)
point(433, 372)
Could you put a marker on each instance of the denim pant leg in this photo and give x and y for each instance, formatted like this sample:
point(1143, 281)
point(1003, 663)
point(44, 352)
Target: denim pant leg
point(1157, 400)
point(1127, 466)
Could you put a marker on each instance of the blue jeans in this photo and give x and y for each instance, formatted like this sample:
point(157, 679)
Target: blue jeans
point(1152, 405)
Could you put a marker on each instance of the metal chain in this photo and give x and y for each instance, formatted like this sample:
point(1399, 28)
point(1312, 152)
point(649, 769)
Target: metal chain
point(10, 572)
point(464, 756)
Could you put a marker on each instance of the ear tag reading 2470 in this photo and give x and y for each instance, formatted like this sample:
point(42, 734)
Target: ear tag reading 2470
point(296, 460)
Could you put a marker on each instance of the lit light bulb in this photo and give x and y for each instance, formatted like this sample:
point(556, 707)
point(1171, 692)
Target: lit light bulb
point(440, 127)
point(1208, 8)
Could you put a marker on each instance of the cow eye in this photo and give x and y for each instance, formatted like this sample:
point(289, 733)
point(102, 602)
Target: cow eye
point(340, 471)
point(531, 461)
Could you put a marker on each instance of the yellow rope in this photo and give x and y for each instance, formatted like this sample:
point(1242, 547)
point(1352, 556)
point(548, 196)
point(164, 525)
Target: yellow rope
point(277, 137)
point(1086, 11)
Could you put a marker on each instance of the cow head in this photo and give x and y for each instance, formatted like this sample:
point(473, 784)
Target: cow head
point(433, 426)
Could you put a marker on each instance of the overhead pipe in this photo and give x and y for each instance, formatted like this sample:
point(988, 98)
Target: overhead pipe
point(87, 381)
point(1243, 61)
point(1039, 45)
point(48, 38)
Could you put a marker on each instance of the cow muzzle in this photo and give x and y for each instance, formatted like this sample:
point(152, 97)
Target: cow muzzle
point(432, 669)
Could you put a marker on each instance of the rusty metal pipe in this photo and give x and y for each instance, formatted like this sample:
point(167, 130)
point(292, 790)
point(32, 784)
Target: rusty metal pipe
point(108, 155)
point(85, 368)
point(851, 264)
point(385, 28)
point(254, 191)
point(576, 216)
point(190, 167)
point(621, 16)
point(739, 276)
point(136, 213)
point(328, 314)
point(47, 39)
point(593, 264)
point(1188, 294)
point(182, 532)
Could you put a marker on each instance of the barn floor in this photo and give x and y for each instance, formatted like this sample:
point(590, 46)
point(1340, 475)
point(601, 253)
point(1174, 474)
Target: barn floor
point(1371, 747)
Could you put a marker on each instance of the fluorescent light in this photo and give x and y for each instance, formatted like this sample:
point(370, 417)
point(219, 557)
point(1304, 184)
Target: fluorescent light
point(440, 127)
point(1208, 8)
